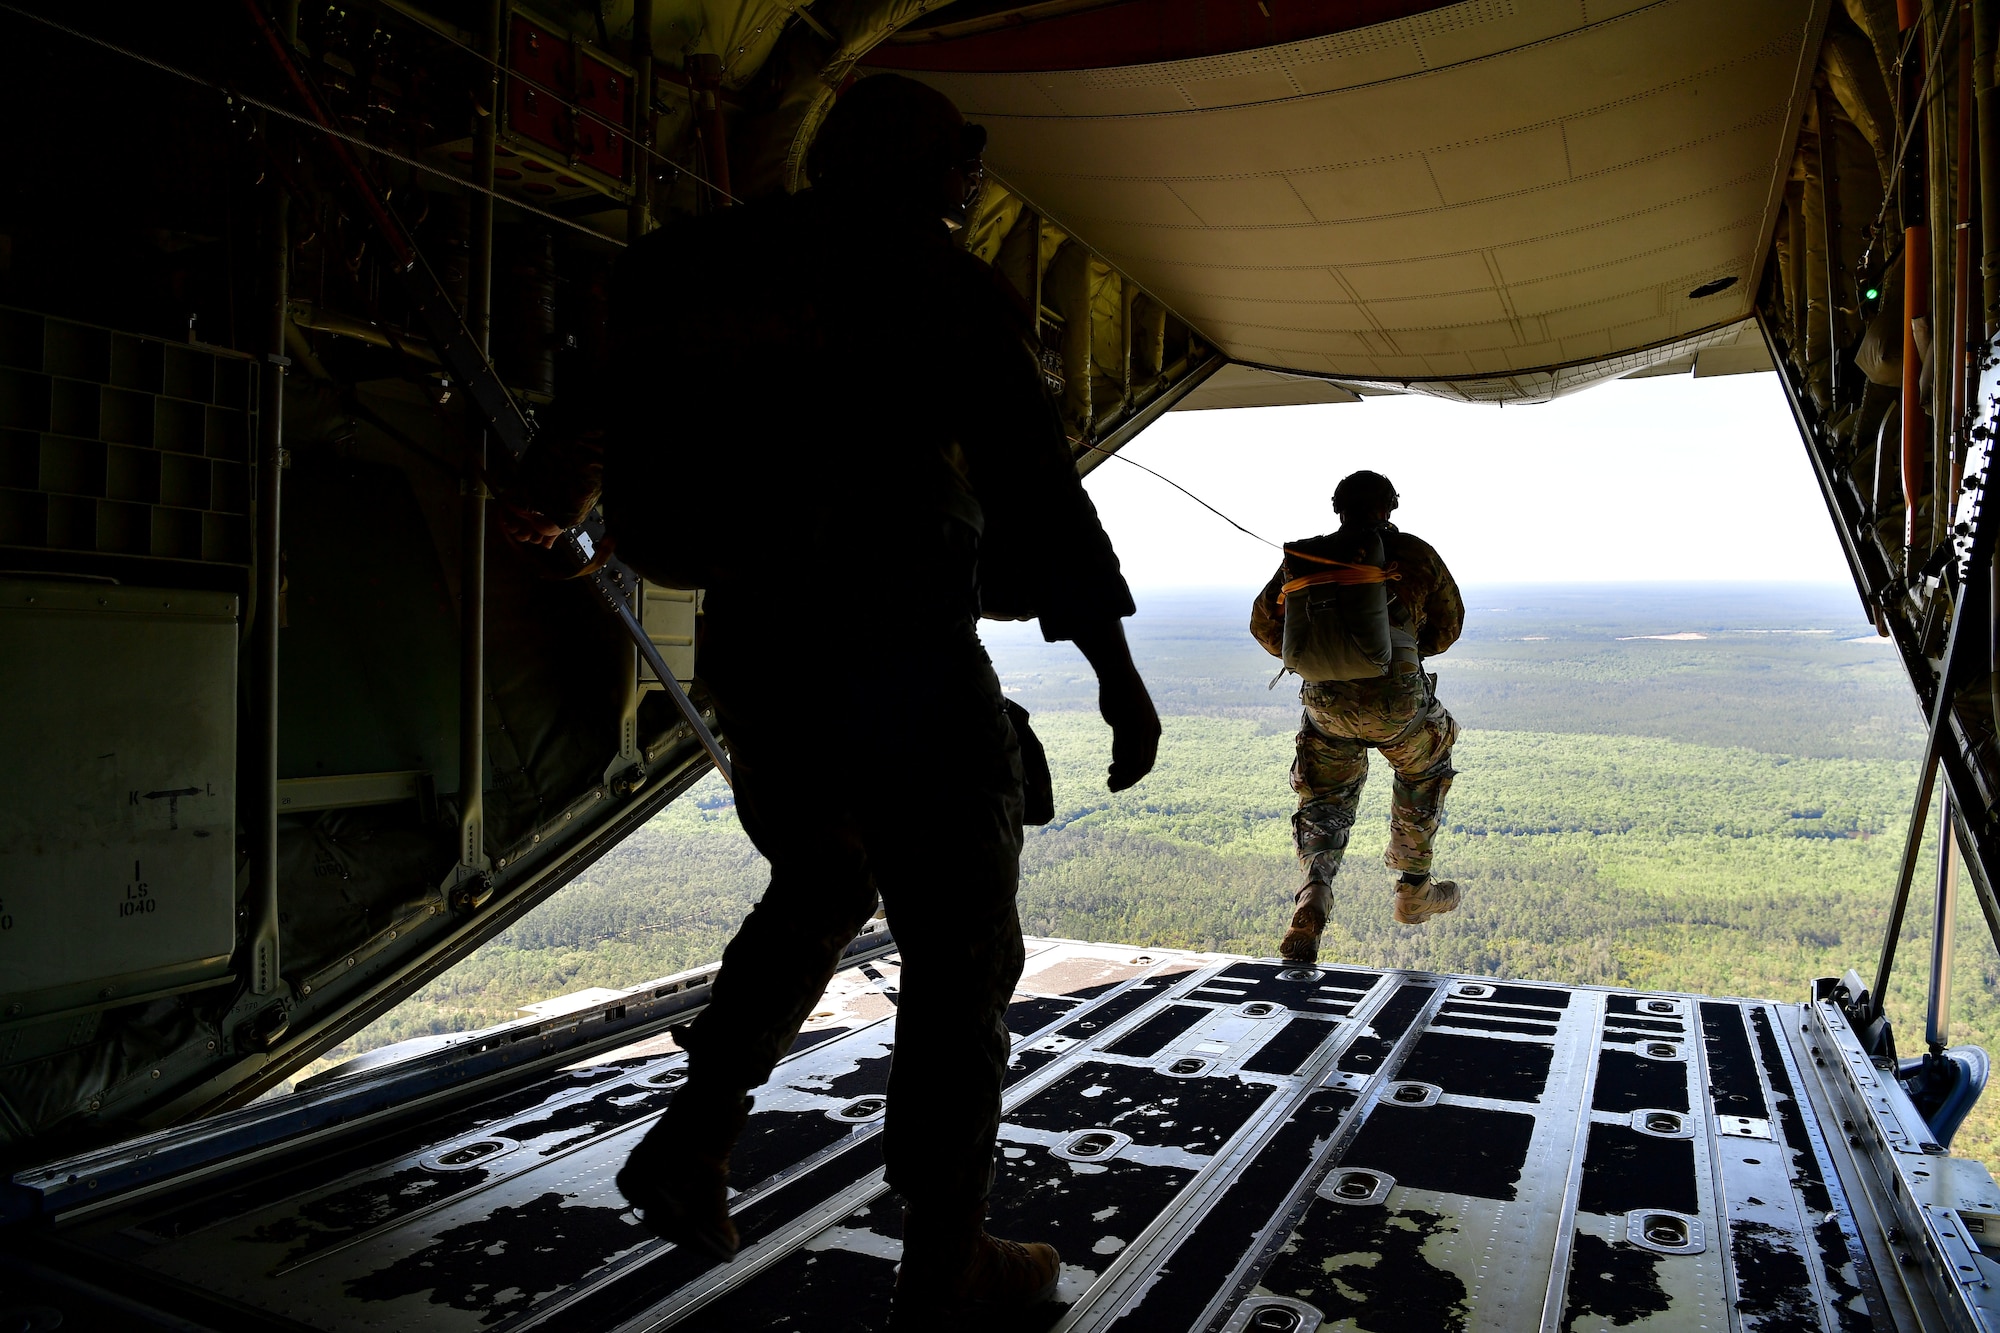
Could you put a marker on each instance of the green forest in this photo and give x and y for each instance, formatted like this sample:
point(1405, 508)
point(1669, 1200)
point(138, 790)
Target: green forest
point(1720, 814)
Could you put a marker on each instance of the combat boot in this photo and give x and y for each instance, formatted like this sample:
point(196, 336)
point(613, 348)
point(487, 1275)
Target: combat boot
point(1419, 902)
point(951, 1267)
point(1301, 942)
point(678, 1176)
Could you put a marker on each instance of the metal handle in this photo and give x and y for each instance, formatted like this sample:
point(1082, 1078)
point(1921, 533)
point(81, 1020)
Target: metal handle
point(1937, 1016)
point(614, 582)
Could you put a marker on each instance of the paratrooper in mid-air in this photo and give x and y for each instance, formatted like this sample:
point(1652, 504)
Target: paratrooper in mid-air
point(1355, 613)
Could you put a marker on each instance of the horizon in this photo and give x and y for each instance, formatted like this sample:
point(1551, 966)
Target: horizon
point(1669, 479)
point(1722, 605)
point(1172, 628)
point(1606, 586)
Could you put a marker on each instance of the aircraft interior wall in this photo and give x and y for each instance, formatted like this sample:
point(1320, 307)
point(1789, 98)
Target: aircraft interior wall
point(138, 299)
point(1880, 301)
point(194, 296)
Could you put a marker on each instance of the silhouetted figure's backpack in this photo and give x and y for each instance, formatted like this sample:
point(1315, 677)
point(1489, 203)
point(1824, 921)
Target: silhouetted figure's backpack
point(1337, 606)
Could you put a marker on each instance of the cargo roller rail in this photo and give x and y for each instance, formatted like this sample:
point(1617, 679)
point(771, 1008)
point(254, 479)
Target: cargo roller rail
point(1214, 1143)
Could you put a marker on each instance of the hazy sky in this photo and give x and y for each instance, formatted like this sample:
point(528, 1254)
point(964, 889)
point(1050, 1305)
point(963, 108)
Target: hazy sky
point(1668, 479)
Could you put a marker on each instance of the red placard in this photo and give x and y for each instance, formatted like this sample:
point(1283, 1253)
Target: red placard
point(550, 75)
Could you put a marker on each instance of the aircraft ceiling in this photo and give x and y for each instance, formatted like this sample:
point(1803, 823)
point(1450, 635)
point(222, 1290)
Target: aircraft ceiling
point(1496, 200)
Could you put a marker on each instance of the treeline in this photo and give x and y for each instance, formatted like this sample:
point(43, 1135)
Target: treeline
point(1552, 660)
point(1720, 816)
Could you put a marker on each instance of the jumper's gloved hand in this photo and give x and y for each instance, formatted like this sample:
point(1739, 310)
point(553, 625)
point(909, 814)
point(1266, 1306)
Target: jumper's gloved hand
point(1123, 702)
point(525, 526)
point(557, 485)
point(1135, 728)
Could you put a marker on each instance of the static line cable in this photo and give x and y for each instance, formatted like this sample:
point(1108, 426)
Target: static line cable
point(1289, 552)
point(231, 94)
point(577, 109)
point(286, 114)
point(1945, 32)
point(1112, 453)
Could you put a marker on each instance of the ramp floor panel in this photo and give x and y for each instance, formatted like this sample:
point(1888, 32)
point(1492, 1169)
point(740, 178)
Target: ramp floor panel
point(1213, 1143)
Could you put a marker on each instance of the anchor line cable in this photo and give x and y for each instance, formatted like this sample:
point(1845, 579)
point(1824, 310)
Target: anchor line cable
point(1924, 94)
point(271, 108)
point(284, 113)
point(577, 109)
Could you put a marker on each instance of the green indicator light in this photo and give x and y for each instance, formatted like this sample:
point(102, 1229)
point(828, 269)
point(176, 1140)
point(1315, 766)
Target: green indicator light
point(1872, 293)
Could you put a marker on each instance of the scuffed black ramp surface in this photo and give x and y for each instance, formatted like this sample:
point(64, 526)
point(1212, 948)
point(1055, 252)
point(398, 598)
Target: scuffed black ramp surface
point(1447, 1148)
point(1197, 1134)
point(1485, 1170)
point(1208, 1256)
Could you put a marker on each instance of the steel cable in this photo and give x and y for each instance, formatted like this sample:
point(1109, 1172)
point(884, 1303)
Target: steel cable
point(1289, 552)
point(577, 109)
point(247, 99)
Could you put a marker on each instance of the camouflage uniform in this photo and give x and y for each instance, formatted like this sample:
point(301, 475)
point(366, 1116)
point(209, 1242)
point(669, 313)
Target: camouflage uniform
point(1343, 720)
point(1398, 714)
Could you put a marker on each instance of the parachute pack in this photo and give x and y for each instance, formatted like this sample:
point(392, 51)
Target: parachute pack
point(1337, 609)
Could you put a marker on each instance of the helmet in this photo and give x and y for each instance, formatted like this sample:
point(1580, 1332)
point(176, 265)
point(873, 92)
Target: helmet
point(1363, 494)
point(892, 135)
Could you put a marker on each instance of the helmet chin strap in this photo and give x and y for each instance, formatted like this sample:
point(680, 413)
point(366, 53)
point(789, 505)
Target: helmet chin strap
point(959, 211)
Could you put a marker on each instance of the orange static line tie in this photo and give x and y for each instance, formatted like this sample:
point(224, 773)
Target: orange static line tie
point(1342, 572)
